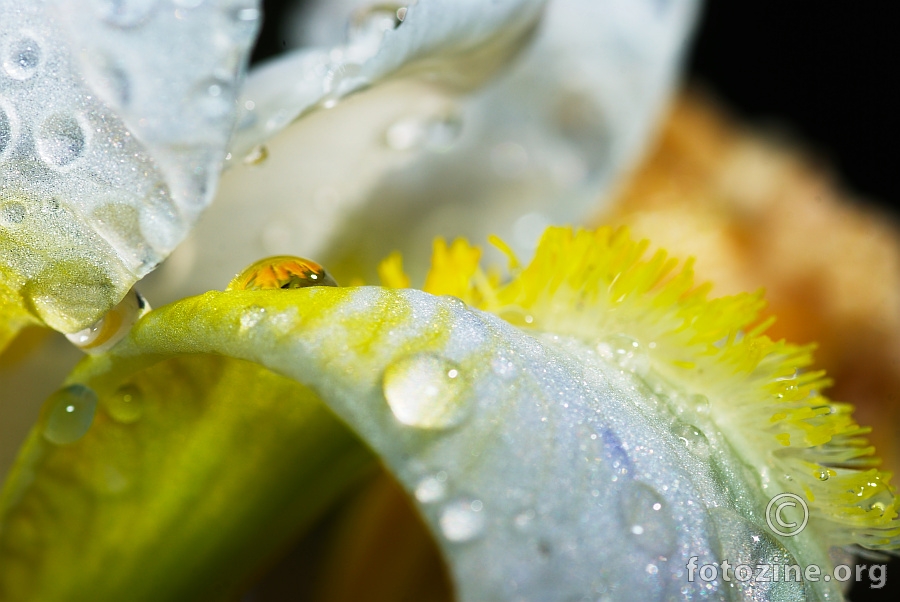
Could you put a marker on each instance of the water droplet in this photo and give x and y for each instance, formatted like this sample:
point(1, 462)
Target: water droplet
point(257, 155)
point(71, 412)
point(626, 352)
point(281, 272)
point(215, 98)
point(692, 438)
point(462, 520)
point(648, 518)
point(252, 316)
point(126, 405)
point(111, 328)
point(427, 391)
point(12, 214)
point(823, 474)
point(700, 403)
point(125, 13)
point(432, 488)
point(22, 58)
point(61, 140)
point(160, 220)
point(6, 134)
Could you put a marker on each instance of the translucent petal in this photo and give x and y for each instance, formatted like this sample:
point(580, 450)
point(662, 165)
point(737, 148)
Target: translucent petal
point(422, 155)
point(124, 496)
point(114, 118)
point(545, 470)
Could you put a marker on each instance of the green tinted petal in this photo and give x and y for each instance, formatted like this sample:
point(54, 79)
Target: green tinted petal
point(192, 473)
point(114, 122)
point(545, 471)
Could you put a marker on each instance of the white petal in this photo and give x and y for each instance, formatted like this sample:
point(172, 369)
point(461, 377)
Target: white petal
point(114, 118)
point(399, 163)
point(545, 471)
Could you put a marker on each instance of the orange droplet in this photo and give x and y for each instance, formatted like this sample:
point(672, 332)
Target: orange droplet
point(283, 271)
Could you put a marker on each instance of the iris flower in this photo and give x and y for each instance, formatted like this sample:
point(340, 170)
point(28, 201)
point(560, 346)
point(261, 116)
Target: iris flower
point(589, 424)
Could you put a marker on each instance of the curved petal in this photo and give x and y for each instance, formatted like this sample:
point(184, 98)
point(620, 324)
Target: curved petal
point(114, 118)
point(194, 473)
point(417, 156)
point(527, 454)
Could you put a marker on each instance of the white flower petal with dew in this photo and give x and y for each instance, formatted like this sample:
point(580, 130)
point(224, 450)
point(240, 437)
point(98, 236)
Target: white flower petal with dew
point(423, 154)
point(114, 120)
point(563, 476)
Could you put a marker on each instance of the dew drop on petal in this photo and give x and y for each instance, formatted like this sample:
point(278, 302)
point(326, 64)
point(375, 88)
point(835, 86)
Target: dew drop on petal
point(126, 405)
point(427, 391)
point(112, 327)
point(693, 439)
point(462, 520)
point(22, 58)
point(71, 412)
point(60, 140)
point(647, 518)
point(432, 488)
point(626, 352)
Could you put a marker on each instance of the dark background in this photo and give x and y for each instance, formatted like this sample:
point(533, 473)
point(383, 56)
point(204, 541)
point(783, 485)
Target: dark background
point(823, 72)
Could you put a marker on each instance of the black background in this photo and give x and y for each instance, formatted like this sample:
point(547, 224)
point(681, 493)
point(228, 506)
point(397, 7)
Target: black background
point(824, 72)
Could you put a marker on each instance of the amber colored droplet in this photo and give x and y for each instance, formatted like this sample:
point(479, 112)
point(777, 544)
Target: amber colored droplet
point(282, 271)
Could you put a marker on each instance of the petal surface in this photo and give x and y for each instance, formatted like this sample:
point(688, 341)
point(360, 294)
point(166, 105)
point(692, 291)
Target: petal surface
point(114, 121)
point(489, 126)
point(526, 453)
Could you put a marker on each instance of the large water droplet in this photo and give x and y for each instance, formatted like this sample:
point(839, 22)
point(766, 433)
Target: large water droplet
point(22, 58)
point(61, 140)
point(626, 352)
point(648, 518)
point(126, 405)
point(111, 328)
point(427, 391)
point(462, 520)
point(692, 438)
point(71, 412)
point(432, 488)
point(125, 13)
